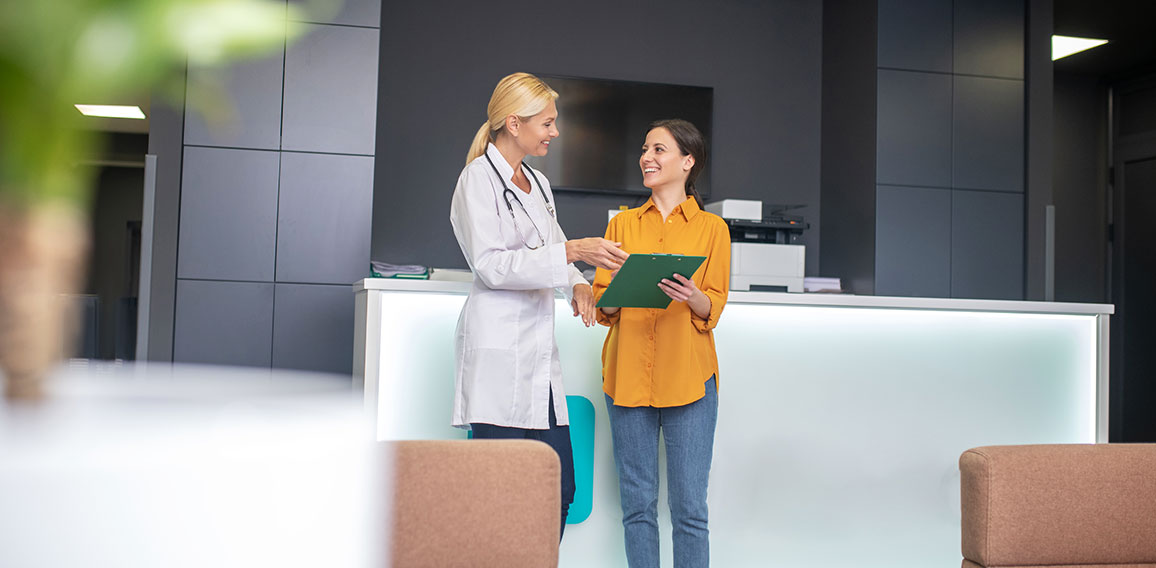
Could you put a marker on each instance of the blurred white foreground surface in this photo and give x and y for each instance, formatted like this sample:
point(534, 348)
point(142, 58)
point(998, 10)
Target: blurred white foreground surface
point(158, 465)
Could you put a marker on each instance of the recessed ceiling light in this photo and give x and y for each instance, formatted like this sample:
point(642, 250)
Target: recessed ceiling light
point(111, 111)
point(1063, 46)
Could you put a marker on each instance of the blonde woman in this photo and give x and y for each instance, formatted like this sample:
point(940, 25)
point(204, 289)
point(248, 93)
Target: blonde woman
point(508, 381)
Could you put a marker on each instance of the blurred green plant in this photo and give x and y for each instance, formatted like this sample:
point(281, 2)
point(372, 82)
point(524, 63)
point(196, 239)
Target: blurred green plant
point(58, 53)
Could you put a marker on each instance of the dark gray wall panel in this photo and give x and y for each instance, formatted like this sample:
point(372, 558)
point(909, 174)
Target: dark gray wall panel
point(584, 215)
point(913, 242)
point(331, 90)
point(1080, 171)
point(228, 214)
point(323, 218)
point(847, 185)
point(988, 134)
point(350, 12)
point(313, 328)
point(914, 129)
point(987, 242)
point(989, 38)
point(226, 323)
point(763, 59)
point(248, 115)
point(915, 35)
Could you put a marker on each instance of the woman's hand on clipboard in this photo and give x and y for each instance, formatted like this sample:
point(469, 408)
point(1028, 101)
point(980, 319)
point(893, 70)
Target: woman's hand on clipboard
point(683, 289)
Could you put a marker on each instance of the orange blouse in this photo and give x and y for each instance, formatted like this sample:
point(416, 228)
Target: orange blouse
point(655, 357)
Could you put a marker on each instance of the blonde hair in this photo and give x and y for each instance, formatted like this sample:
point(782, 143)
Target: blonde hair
point(520, 94)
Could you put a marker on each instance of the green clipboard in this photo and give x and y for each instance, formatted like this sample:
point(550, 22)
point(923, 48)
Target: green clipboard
point(636, 284)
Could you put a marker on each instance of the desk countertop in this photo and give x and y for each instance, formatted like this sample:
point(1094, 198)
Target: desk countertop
point(783, 298)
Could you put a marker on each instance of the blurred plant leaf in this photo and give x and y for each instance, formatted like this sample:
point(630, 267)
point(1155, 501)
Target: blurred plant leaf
point(56, 53)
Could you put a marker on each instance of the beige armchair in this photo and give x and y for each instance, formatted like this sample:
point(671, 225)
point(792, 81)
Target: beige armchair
point(1048, 506)
point(474, 503)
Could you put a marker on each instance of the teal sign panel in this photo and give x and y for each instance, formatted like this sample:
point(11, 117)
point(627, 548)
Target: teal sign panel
point(582, 439)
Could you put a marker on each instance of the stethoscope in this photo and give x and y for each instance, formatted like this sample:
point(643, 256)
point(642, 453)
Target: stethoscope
point(507, 193)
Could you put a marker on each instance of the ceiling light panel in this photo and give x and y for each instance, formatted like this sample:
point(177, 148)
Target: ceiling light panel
point(112, 111)
point(1063, 46)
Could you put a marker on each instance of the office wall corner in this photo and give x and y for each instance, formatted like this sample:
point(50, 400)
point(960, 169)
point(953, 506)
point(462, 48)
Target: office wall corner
point(1039, 151)
point(166, 142)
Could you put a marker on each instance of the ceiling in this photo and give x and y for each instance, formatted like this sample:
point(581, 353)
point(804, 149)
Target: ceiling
point(1128, 25)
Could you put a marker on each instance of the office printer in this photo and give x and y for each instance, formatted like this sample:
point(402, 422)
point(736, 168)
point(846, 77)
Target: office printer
point(765, 255)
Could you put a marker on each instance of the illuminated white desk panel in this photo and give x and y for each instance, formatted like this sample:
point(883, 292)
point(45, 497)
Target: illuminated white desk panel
point(841, 418)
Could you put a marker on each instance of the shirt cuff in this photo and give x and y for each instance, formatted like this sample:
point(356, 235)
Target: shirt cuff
point(702, 325)
point(559, 269)
point(576, 277)
point(607, 320)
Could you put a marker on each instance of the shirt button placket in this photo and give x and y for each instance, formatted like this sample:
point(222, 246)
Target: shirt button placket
point(652, 349)
point(661, 237)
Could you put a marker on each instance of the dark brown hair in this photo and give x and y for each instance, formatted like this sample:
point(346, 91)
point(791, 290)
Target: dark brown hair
point(690, 141)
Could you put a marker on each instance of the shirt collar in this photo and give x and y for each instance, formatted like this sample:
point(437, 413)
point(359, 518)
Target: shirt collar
point(646, 206)
point(688, 208)
point(500, 163)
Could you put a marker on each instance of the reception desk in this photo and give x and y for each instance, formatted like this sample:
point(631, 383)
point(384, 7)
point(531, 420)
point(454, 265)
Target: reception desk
point(841, 418)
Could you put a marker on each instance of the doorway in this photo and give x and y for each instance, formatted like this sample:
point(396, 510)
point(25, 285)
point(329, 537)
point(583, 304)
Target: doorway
point(1133, 364)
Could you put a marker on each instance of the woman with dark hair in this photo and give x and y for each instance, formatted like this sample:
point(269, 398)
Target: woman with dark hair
point(659, 367)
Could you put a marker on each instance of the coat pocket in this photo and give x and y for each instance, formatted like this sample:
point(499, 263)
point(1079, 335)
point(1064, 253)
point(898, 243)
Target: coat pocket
point(489, 383)
point(491, 320)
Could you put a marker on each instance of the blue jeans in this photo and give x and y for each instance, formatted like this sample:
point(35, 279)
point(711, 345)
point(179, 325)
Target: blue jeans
point(689, 434)
point(558, 437)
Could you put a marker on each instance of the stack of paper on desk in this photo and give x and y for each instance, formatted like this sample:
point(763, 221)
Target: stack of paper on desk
point(379, 269)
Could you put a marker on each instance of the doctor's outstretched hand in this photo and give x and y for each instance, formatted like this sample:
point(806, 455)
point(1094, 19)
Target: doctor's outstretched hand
point(596, 251)
point(583, 303)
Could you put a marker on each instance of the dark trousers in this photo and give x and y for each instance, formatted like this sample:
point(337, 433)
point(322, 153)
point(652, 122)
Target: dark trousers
point(558, 437)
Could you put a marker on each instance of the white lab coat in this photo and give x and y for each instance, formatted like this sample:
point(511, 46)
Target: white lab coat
point(507, 359)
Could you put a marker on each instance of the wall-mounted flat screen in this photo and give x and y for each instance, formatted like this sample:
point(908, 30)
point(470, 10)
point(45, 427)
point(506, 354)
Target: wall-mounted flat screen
point(603, 125)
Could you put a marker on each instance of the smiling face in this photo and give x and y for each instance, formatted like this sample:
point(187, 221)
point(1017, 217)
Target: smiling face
point(533, 135)
point(662, 162)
